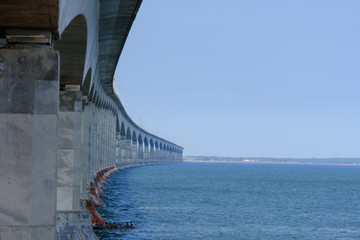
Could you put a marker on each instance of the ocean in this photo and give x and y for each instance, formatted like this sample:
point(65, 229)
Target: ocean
point(234, 201)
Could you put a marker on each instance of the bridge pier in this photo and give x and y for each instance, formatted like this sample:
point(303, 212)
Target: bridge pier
point(152, 155)
point(168, 156)
point(68, 190)
point(173, 156)
point(86, 172)
point(101, 133)
point(128, 152)
point(98, 159)
point(105, 141)
point(123, 151)
point(118, 149)
point(72, 221)
point(29, 80)
point(111, 147)
point(162, 156)
point(134, 153)
point(146, 154)
point(140, 154)
point(93, 140)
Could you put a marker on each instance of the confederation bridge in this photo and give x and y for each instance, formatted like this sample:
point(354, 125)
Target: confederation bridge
point(63, 129)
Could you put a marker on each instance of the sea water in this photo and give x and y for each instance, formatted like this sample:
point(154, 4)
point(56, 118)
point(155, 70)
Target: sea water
point(234, 201)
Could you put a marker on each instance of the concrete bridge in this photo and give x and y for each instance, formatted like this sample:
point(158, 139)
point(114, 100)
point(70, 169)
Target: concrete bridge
point(63, 128)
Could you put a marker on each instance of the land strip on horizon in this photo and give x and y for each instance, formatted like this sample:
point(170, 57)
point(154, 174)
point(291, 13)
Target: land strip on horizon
point(319, 161)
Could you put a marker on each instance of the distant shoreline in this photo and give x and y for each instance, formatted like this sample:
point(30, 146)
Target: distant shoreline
point(270, 162)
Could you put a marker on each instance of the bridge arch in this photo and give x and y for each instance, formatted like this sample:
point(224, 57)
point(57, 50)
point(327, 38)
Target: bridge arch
point(140, 141)
point(72, 48)
point(122, 130)
point(134, 139)
point(128, 133)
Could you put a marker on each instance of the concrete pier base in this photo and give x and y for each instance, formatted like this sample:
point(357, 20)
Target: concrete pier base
point(29, 90)
point(75, 225)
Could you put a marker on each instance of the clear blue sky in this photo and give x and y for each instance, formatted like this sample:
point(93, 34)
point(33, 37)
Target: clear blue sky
point(246, 78)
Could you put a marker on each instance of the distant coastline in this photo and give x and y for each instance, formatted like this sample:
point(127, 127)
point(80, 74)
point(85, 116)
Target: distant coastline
point(264, 160)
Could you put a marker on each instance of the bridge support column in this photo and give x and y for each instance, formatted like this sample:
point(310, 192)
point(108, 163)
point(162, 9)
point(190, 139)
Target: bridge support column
point(162, 156)
point(112, 145)
point(177, 159)
point(181, 155)
point(93, 139)
point(146, 154)
point(140, 154)
point(97, 140)
point(106, 142)
point(118, 149)
point(97, 150)
point(152, 155)
point(157, 155)
point(170, 154)
point(106, 138)
point(72, 222)
point(101, 133)
point(94, 147)
point(173, 156)
point(68, 190)
point(112, 139)
point(134, 152)
point(128, 143)
point(166, 156)
point(85, 149)
point(29, 80)
point(123, 152)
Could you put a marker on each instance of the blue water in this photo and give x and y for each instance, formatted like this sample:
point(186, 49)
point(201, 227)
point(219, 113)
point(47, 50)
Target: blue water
point(234, 201)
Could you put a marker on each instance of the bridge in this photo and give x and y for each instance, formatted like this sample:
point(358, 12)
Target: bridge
point(63, 129)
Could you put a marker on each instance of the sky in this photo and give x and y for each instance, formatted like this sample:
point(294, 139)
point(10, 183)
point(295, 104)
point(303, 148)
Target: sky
point(243, 78)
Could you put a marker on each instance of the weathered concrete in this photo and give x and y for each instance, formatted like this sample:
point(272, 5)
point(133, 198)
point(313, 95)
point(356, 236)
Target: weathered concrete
point(118, 157)
point(146, 154)
point(75, 225)
point(86, 165)
point(123, 151)
point(69, 149)
point(28, 141)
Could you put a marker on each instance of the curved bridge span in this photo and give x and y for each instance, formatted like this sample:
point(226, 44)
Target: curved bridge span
point(63, 129)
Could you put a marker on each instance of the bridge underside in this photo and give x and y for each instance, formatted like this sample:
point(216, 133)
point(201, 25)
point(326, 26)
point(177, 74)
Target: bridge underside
point(24, 14)
point(63, 129)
